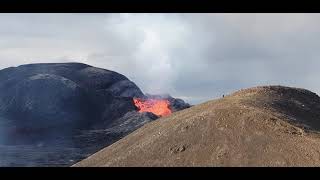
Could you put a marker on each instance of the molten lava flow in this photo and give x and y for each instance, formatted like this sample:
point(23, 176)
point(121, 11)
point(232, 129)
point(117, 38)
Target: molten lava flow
point(159, 107)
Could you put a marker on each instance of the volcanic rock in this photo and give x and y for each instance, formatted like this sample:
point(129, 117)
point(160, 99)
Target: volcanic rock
point(55, 114)
point(49, 97)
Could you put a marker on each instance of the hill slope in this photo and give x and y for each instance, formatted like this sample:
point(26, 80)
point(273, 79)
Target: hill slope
point(261, 126)
point(55, 114)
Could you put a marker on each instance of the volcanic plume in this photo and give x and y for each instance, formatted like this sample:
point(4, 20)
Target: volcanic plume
point(159, 107)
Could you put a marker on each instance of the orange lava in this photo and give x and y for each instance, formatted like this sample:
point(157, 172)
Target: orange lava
point(159, 107)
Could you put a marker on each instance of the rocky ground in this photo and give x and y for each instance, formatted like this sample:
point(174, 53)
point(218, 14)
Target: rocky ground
point(261, 126)
point(67, 151)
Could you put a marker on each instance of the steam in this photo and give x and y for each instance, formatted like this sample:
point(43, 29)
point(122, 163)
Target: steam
point(149, 42)
point(196, 57)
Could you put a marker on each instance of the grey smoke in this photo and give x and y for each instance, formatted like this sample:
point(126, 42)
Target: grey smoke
point(196, 57)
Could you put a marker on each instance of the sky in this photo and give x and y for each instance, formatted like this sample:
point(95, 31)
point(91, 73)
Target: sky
point(196, 57)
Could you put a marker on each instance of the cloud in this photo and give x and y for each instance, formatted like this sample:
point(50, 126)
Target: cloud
point(194, 56)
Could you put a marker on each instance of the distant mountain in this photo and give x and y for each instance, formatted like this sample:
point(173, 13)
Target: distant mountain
point(66, 105)
point(260, 126)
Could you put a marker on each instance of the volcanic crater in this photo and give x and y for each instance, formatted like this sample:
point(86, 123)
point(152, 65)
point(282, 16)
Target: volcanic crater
point(49, 110)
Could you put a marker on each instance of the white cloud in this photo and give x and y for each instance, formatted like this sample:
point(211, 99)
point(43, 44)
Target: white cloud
point(196, 56)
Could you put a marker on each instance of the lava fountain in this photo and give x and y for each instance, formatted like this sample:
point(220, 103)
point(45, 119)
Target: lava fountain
point(159, 107)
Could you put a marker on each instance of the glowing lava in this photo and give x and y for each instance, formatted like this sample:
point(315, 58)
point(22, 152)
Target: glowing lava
point(159, 107)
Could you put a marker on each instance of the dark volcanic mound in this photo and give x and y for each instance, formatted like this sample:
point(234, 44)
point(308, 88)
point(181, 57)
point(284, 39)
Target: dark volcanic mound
point(84, 75)
point(59, 113)
point(261, 126)
point(45, 98)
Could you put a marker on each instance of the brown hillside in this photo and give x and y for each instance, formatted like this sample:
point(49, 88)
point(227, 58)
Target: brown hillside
point(261, 126)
